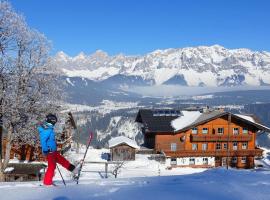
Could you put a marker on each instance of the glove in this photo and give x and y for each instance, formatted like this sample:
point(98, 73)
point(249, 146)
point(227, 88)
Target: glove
point(45, 153)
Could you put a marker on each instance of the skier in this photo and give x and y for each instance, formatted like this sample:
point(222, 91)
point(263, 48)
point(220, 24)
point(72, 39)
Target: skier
point(49, 149)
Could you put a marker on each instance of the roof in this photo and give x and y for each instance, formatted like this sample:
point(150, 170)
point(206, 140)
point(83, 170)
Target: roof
point(202, 118)
point(123, 140)
point(252, 121)
point(205, 117)
point(157, 120)
point(187, 120)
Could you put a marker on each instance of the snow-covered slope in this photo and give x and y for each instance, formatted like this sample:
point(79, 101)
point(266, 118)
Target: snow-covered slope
point(148, 179)
point(216, 184)
point(192, 66)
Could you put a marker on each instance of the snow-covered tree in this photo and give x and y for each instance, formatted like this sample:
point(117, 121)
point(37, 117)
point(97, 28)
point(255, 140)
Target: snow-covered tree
point(28, 88)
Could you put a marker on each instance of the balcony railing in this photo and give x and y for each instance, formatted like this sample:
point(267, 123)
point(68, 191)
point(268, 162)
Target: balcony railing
point(220, 138)
point(222, 153)
point(182, 152)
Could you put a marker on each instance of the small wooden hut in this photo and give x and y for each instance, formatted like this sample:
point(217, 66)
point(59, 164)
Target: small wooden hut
point(24, 172)
point(122, 148)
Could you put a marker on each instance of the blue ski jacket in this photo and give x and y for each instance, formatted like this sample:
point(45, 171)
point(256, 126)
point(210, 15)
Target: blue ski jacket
point(47, 138)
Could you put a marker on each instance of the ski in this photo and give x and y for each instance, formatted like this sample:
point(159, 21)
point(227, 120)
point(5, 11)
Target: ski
point(82, 161)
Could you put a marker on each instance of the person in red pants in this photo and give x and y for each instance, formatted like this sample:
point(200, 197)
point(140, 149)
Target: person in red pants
point(49, 149)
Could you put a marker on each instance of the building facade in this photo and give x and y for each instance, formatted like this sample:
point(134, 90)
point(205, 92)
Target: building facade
point(203, 139)
point(122, 148)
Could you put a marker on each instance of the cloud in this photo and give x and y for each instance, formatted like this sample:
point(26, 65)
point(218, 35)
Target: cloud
point(175, 90)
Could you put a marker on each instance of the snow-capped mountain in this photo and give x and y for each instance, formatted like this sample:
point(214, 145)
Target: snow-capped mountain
point(191, 66)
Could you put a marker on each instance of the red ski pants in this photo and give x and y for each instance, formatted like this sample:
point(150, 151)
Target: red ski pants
point(53, 158)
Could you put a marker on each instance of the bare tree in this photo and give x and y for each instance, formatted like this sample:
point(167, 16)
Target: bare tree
point(28, 89)
point(117, 168)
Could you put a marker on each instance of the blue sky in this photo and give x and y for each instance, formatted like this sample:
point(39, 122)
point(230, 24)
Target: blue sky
point(140, 26)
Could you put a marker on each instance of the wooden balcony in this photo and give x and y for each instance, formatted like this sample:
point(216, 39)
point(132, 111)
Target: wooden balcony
point(219, 153)
point(220, 138)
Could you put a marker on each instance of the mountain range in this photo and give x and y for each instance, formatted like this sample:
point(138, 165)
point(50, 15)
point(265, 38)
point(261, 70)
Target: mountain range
point(192, 66)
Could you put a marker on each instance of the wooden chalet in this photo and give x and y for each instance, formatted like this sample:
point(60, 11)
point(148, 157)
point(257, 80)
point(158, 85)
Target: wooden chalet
point(122, 148)
point(201, 138)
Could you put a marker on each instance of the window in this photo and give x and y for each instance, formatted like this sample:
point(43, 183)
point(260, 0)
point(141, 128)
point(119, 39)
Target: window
point(224, 161)
point(234, 160)
point(205, 161)
point(235, 144)
point(194, 130)
point(225, 146)
point(173, 113)
point(235, 131)
point(204, 146)
point(173, 161)
point(192, 161)
point(245, 130)
point(183, 138)
point(244, 145)
point(205, 130)
point(158, 113)
point(173, 146)
point(194, 146)
point(243, 159)
point(167, 113)
point(218, 146)
point(220, 131)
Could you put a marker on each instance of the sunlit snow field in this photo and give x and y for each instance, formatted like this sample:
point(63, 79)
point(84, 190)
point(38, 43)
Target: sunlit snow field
point(147, 179)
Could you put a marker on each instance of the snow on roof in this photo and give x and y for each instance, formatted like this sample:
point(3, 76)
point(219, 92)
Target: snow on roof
point(185, 120)
point(9, 169)
point(122, 139)
point(249, 118)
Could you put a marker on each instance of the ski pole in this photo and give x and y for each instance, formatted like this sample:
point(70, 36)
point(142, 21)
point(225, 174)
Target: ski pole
point(61, 175)
point(87, 147)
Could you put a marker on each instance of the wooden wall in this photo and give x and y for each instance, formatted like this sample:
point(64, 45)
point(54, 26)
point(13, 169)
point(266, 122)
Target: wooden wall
point(122, 153)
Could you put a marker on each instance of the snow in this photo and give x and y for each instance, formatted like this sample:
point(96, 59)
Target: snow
point(9, 169)
point(249, 118)
point(186, 119)
point(164, 74)
point(202, 97)
point(142, 166)
point(218, 184)
point(105, 107)
point(122, 139)
point(97, 74)
point(147, 179)
point(70, 82)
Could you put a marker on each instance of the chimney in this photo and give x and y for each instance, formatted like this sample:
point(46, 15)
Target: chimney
point(221, 109)
point(206, 109)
